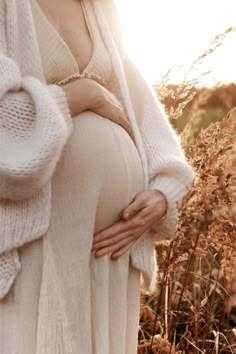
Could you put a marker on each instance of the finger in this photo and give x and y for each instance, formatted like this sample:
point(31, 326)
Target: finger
point(135, 225)
point(111, 241)
point(132, 209)
point(114, 248)
point(144, 215)
point(125, 124)
point(115, 229)
point(151, 213)
point(123, 121)
point(123, 250)
point(119, 117)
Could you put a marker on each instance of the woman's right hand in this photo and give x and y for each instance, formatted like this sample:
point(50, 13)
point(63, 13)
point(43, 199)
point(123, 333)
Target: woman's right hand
point(87, 94)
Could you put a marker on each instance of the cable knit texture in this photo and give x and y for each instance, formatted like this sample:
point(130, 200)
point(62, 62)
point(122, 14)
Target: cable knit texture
point(35, 124)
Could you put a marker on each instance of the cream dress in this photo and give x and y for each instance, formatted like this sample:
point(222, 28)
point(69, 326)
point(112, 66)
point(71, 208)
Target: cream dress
point(65, 301)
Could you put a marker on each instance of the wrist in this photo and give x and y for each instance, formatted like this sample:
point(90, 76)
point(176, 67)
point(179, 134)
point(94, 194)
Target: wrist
point(78, 95)
point(163, 203)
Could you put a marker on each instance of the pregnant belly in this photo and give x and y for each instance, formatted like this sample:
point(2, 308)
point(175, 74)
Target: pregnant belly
point(100, 163)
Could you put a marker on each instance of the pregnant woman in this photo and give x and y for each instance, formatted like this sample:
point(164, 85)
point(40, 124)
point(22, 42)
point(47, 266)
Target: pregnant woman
point(90, 176)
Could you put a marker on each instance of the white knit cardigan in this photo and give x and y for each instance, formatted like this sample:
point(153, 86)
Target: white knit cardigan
point(35, 124)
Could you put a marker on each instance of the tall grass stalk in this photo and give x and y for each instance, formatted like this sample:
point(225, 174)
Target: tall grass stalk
point(191, 311)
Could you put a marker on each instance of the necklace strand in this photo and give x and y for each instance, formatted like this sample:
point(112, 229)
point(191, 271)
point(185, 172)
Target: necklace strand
point(81, 76)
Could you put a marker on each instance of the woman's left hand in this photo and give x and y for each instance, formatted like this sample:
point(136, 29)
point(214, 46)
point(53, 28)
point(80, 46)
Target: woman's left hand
point(147, 209)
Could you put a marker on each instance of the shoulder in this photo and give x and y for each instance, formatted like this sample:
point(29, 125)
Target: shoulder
point(111, 15)
point(111, 12)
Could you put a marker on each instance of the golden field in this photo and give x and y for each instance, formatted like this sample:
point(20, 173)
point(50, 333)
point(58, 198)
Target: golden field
point(194, 308)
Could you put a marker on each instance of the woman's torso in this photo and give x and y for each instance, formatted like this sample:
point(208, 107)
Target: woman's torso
point(62, 57)
point(95, 141)
point(69, 21)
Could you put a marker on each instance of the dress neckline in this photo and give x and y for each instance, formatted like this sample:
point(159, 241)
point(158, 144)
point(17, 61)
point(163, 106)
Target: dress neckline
point(63, 42)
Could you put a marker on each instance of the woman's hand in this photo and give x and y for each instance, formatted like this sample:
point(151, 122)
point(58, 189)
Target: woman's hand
point(149, 207)
point(87, 94)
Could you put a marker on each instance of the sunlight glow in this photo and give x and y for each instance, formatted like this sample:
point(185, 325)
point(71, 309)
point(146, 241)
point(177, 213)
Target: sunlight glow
point(162, 33)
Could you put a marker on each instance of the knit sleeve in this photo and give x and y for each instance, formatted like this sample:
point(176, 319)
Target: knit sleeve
point(168, 170)
point(35, 124)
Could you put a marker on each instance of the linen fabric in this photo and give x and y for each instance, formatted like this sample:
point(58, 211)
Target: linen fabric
point(65, 300)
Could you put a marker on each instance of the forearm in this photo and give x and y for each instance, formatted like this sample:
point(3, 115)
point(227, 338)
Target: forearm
point(34, 125)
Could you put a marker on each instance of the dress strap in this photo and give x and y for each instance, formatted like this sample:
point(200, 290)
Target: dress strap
point(87, 21)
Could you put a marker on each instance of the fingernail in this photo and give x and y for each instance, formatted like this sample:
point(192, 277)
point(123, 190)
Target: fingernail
point(127, 215)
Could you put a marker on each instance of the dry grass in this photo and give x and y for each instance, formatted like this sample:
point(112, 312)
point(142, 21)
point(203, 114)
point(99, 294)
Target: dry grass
point(197, 283)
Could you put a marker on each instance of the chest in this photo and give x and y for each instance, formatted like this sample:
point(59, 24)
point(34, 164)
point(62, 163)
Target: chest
point(70, 20)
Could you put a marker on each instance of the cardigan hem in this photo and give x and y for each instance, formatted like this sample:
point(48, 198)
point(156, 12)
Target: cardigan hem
point(6, 280)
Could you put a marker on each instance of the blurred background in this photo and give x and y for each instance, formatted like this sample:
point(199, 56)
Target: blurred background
point(160, 34)
point(185, 45)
